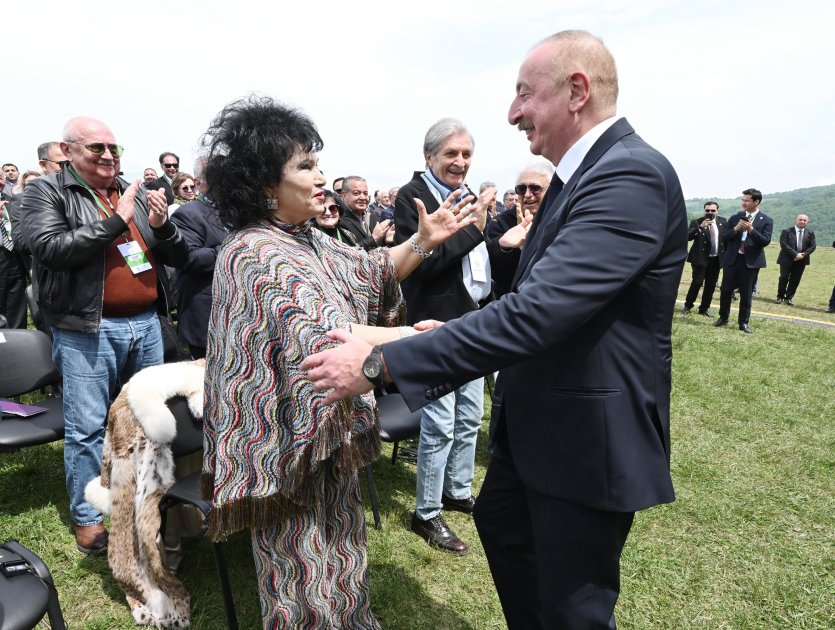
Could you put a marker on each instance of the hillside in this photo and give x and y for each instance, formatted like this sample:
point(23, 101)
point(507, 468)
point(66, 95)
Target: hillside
point(818, 202)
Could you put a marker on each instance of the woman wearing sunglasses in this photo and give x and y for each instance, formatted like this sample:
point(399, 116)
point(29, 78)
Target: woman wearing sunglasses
point(184, 191)
point(328, 221)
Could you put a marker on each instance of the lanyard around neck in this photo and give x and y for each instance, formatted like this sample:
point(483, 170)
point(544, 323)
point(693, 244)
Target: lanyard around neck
point(92, 192)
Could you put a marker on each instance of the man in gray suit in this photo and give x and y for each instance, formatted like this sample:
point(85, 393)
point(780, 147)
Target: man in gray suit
point(580, 421)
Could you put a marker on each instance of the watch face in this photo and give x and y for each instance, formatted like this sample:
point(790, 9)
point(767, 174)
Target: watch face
point(372, 368)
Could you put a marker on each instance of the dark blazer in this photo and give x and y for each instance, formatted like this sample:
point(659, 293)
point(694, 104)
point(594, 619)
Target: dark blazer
point(199, 224)
point(757, 240)
point(436, 290)
point(583, 340)
point(700, 250)
point(788, 246)
point(351, 223)
point(161, 184)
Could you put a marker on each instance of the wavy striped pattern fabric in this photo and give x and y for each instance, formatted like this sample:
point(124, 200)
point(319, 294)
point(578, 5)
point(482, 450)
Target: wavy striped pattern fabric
point(275, 456)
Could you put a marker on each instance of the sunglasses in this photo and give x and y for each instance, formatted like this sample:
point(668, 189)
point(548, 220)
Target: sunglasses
point(98, 148)
point(187, 188)
point(535, 189)
point(173, 165)
point(333, 209)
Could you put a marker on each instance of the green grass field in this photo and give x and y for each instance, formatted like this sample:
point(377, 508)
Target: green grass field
point(749, 543)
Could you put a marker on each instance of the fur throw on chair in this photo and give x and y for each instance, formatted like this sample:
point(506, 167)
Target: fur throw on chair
point(137, 469)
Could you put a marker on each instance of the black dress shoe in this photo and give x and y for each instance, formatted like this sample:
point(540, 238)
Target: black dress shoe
point(685, 311)
point(459, 505)
point(779, 301)
point(720, 322)
point(437, 533)
point(745, 328)
point(830, 310)
point(706, 312)
point(789, 302)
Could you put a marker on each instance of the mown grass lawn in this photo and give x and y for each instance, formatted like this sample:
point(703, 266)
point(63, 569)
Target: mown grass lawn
point(747, 545)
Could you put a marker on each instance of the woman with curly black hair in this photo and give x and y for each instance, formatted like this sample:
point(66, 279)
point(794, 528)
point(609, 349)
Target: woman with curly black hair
point(278, 461)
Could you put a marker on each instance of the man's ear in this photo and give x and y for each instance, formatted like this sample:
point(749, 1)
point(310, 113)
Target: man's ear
point(579, 85)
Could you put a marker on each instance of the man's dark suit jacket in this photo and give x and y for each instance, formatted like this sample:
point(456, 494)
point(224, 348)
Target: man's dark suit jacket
point(353, 224)
point(788, 246)
point(757, 240)
point(700, 250)
point(583, 340)
point(201, 228)
point(161, 184)
point(436, 290)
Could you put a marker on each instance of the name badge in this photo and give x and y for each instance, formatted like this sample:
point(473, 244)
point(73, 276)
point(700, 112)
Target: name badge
point(477, 266)
point(135, 257)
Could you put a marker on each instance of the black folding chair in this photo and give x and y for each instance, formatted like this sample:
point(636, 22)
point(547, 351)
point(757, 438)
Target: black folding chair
point(397, 423)
point(27, 592)
point(26, 360)
point(186, 491)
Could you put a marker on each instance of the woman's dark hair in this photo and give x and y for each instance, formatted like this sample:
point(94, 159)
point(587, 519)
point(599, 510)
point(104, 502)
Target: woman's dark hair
point(337, 199)
point(179, 179)
point(247, 146)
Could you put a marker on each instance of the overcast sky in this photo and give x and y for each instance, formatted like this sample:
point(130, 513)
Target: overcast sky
point(735, 93)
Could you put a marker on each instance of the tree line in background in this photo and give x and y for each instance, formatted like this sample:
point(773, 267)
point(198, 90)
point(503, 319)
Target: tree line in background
point(818, 202)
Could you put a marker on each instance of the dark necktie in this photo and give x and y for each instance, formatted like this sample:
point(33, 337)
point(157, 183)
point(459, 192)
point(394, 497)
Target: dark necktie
point(6, 226)
point(744, 236)
point(800, 240)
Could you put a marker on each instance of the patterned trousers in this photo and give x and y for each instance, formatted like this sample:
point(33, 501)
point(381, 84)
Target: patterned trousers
point(312, 567)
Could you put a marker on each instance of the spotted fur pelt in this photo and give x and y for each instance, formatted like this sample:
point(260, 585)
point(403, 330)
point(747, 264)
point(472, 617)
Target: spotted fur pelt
point(137, 469)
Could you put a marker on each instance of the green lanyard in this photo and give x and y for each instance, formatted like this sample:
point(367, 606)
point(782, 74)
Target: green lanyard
point(92, 192)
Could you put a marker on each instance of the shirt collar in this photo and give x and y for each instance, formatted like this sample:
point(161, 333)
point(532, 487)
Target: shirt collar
point(572, 159)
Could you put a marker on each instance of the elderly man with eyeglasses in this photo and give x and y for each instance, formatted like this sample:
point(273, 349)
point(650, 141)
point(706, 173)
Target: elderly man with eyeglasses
point(99, 246)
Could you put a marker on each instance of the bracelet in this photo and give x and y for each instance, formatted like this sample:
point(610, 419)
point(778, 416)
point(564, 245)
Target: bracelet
point(417, 249)
point(406, 331)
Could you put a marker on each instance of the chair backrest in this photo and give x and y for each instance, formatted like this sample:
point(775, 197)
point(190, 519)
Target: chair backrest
point(189, 437)
point(26, 360)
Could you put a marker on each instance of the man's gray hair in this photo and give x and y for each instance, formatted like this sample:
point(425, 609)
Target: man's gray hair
point(546, 169)
point(485, 185)
point(43, 150)
point(351, 178)
point(442, 130)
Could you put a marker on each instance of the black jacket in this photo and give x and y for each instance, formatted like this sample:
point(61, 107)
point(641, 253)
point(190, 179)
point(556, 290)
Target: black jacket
point(204, 233)
point(162, 184)
point(61, 224)
point(436, 290)
point(700, 250)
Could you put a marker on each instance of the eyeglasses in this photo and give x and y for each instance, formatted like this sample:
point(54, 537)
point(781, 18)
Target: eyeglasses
point(535, 189)
point(333, 209)
point(98, 148)
point(187, 188)
point(711, 210)
point(172, 165)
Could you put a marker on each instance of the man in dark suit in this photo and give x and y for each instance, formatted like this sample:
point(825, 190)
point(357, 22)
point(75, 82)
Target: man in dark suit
point(796, 246)
point(746, 235)
point(359, 220)
point(705, 257)
point(581, 408)
point(169, 163)
point(12, 270)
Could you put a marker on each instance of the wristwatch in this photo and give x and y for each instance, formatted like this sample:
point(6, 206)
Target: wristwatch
point(372, 367)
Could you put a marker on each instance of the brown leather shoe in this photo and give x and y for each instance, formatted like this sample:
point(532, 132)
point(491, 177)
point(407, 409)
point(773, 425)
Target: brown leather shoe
point(437, 533)
point(91, 539)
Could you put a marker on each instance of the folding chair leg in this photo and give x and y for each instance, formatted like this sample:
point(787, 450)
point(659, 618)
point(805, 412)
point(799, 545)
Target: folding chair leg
point(372, 493)
point(226, 589)
point(394, 448)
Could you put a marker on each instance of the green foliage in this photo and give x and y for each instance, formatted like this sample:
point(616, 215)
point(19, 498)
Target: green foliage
point(818, 202)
